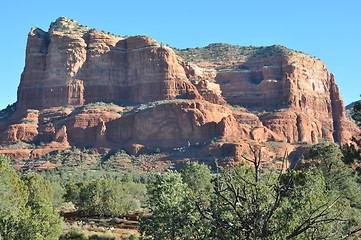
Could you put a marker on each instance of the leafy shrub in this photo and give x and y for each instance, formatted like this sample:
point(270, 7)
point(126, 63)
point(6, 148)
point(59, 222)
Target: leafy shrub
point(103, 197)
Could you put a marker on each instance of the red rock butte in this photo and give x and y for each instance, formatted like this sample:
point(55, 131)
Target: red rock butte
point(84, 87)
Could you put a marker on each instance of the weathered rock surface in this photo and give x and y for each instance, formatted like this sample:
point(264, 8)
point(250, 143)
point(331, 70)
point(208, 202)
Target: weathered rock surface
point(166, 98)
point(71, 68)
point(170, 125)
point(301, 96)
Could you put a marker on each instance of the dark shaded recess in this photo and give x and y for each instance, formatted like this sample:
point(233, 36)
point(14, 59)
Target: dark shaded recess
point(256, 77)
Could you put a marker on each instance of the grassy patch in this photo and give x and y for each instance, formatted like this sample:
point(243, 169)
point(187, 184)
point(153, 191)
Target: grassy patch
point(19, 144)
point(29, 122)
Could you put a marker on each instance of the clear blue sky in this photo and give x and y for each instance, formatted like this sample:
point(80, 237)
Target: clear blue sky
point(329, 30)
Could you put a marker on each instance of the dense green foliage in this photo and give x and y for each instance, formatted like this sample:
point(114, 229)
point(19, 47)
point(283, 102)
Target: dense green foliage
point(171, 197)
point(26, 210)
point(244, 202)
point(39, 189)
point(167, 196)
point(356, 113)
point(105, 197)
point(319, 200)
point(352, 151)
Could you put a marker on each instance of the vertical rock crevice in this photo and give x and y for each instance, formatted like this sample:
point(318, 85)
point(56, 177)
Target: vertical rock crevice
point(338, 111)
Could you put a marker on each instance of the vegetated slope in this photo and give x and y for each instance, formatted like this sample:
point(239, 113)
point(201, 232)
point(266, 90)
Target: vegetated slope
point(220, 52)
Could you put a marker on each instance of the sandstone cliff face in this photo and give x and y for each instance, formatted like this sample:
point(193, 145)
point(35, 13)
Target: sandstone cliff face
point(72, 68)
point(169, 125)
point(300, 95)
point(166, 98)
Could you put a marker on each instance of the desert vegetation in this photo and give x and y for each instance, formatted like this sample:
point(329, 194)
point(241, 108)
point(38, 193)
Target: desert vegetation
point(219, 52)
point(319, 198)
point(65, 25)
point(241, 202)
point(26, 210)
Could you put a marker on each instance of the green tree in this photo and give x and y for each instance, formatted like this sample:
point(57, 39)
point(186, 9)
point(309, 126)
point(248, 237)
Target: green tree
point(72, 191)
point(198, 177)
point(41, 223)
point(104, 197)
point(340, 180)
point(137, 194)
point(40, 190)
point(21, 216)
point(339, 177)
point(247, 203)
point(59, 192)
point(352, 151)
point(291, 205)
point(172, 214)
point(13, 199)
point(356, 113)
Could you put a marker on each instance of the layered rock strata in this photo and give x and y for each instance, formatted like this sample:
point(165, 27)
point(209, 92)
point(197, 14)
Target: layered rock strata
point(157, 97)
point(300, 96)
point(72, 68)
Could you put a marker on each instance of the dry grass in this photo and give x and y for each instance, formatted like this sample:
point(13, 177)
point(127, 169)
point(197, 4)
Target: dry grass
point(125, 227)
